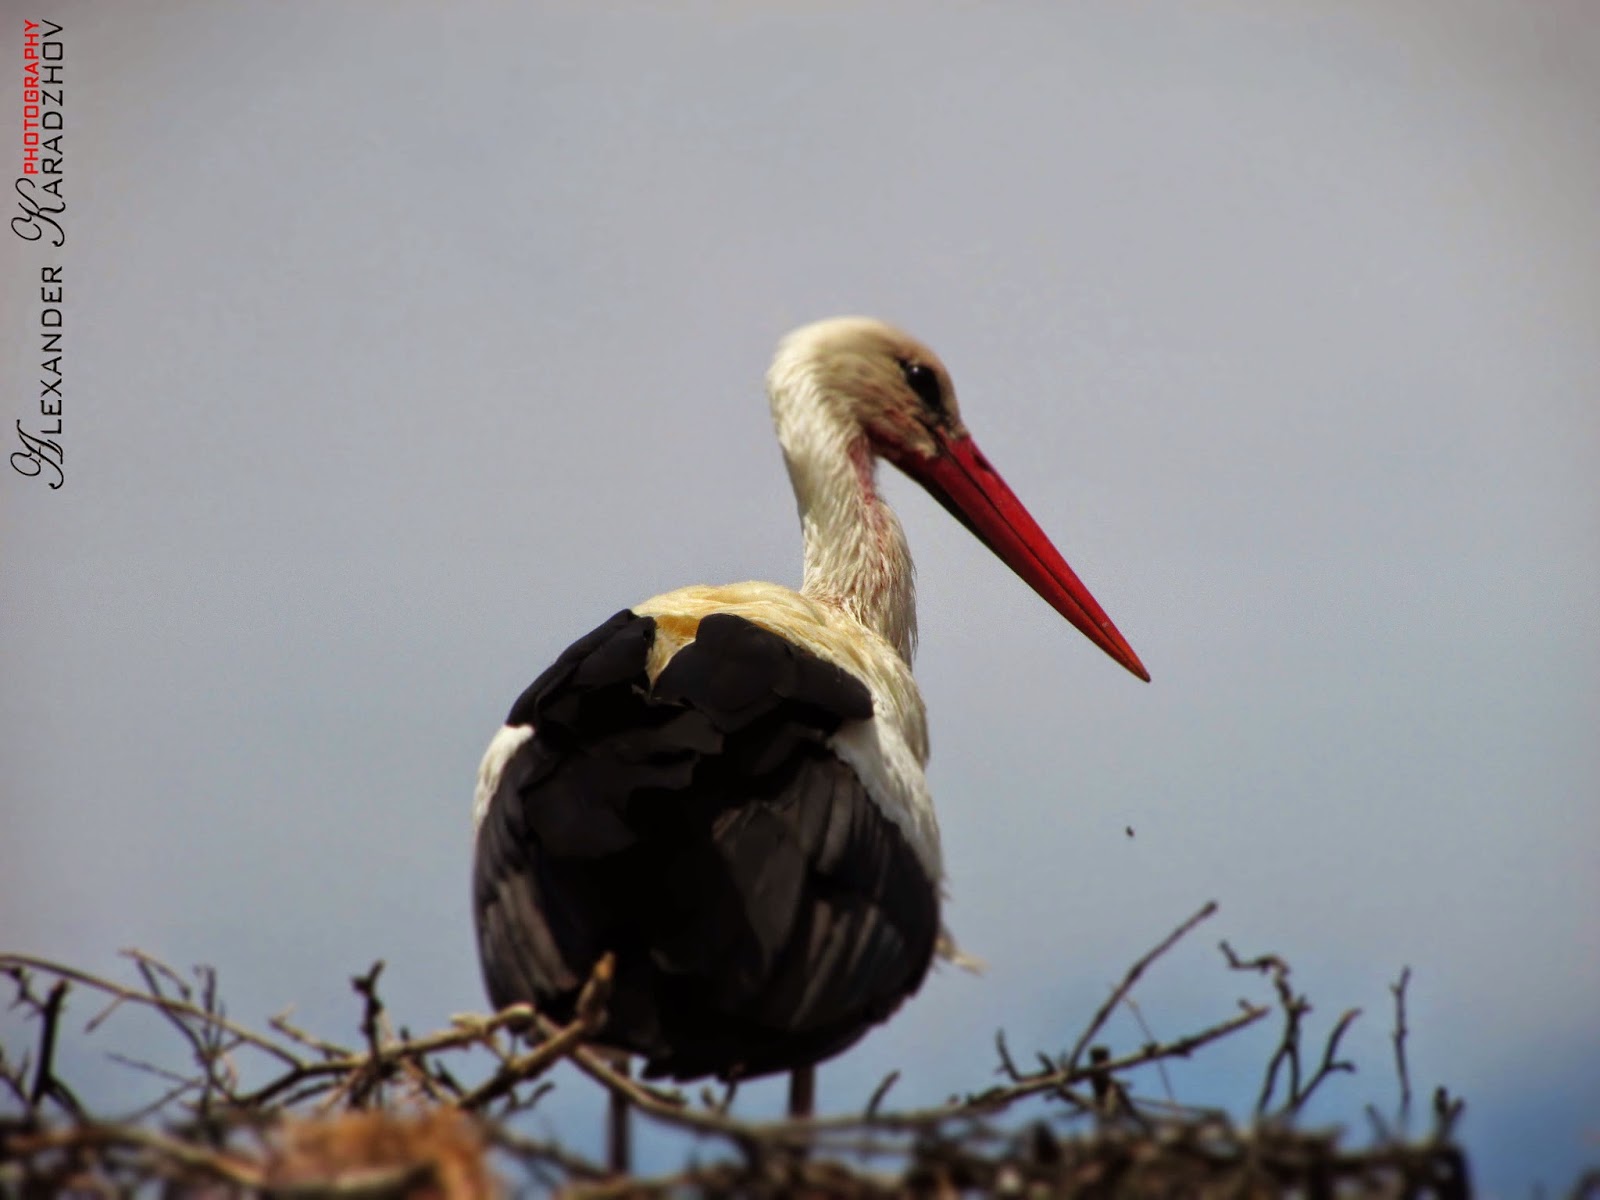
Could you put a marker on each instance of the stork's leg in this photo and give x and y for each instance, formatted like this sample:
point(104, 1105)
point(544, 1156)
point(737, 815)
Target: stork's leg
point(802, 1102)
point(802, 1091)
point(619, 1142)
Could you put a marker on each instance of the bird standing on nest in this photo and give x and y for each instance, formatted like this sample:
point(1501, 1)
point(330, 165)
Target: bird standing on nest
point(723, 786)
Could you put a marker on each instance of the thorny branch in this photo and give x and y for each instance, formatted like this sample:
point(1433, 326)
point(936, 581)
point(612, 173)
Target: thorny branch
point(313, 1109)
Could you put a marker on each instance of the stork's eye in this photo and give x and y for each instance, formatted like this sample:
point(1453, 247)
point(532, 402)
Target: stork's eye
point(924, 381)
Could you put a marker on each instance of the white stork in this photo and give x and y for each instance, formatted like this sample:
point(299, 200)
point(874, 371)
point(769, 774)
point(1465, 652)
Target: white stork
point(724, 786)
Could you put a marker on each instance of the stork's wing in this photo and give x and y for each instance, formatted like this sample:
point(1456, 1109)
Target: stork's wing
point(765, 912)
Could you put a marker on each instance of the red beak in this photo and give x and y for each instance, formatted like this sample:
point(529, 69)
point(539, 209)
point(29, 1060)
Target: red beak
point(961, 479)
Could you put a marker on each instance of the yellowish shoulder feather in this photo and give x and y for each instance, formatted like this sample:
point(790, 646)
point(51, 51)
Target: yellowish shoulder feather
point(825, 630)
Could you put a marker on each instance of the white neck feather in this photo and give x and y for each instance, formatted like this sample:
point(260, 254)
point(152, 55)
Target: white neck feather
point(855, 551)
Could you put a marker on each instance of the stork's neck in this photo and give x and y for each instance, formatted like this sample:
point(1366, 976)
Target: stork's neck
point(855, 551)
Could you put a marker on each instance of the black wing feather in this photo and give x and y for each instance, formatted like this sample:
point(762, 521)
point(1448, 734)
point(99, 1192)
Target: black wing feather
point(764, 911)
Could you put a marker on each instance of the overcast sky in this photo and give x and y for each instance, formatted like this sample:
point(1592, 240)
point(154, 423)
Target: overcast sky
point(404, 344)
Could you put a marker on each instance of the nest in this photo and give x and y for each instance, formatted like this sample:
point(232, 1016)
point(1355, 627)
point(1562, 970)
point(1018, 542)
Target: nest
point(283, 1113)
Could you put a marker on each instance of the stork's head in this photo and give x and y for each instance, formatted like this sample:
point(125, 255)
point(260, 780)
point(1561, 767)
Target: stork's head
point(868, 380)
point(885, 382)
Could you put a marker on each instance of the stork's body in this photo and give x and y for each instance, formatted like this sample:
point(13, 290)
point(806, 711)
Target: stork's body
point(724, 785)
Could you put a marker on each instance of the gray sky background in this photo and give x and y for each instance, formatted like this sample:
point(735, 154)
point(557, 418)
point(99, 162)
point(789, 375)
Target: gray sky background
point(405, 344)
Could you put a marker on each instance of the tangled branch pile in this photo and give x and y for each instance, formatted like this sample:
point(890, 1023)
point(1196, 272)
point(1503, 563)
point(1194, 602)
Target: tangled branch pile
point(389, 1117)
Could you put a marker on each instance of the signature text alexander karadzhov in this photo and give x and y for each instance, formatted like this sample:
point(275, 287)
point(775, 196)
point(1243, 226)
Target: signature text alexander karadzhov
point(41, 203)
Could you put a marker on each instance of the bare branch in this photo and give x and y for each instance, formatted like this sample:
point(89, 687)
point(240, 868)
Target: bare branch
point(880, 1092)
point(204, 1130)
point(591, 1015)
point(1398, 989)
point(1131, 978)
point(165, 1005)
point(1330, 1062)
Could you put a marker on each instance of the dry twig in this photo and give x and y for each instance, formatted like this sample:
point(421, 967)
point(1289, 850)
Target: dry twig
point(201, 1127)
